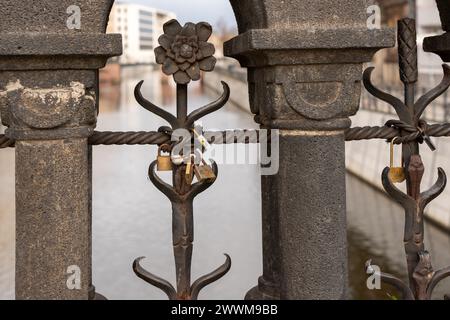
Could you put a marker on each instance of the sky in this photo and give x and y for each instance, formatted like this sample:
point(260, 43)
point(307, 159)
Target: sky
point(210, 11)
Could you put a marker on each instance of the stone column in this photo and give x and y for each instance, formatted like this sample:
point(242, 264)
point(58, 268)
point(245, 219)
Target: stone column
point(50, 53)
point(304, 61)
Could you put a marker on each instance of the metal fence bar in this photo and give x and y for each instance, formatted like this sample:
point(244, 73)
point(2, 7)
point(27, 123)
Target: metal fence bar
point(241, 136)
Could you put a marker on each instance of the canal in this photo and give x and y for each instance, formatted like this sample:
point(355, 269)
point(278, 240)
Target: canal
point(132, 219)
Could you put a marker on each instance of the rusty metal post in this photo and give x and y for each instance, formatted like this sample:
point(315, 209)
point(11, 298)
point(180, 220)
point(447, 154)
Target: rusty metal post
point(50, 53)
point(304, 61)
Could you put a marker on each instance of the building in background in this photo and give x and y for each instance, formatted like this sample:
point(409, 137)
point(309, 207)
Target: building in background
point(140, 27)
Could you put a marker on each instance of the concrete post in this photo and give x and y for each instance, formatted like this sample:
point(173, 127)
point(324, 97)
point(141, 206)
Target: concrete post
point(50, 53)
point(304, 60)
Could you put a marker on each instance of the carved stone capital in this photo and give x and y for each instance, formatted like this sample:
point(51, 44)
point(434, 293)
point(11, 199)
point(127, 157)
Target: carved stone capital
point(31, 112)
point(305, 96)
point(50, 53)
point(305, 59)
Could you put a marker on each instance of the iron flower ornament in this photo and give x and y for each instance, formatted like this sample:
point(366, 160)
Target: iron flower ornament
point(185, 51)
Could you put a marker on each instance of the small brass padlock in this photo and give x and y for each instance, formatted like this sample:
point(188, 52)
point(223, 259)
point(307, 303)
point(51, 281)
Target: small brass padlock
point(204, 172)
point(396, 174)
point(164, 161)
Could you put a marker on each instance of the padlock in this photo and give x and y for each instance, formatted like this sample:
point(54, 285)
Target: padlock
point(164, 162)
point(204, 172)
point(396, 174)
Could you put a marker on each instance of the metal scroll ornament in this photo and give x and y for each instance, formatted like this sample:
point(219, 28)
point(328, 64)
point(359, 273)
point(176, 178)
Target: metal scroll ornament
point(422, 277)
point(183, 53)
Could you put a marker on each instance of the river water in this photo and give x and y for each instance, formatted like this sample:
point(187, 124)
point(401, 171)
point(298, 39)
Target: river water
point(132, 219)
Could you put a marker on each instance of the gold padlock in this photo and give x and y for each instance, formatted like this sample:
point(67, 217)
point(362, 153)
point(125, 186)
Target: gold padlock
point(204, 172)
point(164, 161)
point(396, 174)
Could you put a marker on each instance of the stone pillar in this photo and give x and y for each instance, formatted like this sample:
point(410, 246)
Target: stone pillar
point(50, 53)
point(304, 61)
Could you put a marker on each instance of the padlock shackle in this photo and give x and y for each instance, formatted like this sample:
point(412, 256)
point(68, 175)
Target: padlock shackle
point(391, 153)
point(165, 145)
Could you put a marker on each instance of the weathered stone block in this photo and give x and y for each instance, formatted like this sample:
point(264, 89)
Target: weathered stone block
point(53, 220)
point(304, 61)
point(49, 16)
point(50, 53)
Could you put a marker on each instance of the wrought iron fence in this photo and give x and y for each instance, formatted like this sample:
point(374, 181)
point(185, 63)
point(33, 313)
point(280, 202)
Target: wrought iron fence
point(184, 53)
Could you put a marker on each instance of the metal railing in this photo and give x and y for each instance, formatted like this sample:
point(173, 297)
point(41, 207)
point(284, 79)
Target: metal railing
point(184, 54)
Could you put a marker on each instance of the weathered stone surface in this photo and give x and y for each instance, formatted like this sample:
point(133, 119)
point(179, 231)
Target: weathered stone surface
point(312, 63)
point(299, 14)
point(35, 35)
point(48, 100)
point(304, 61)
point(57, 51)
point(297, 46)
point(312, 215)
point(53, 220)
point(49, 16)
point(286, 97)
point(49, 105)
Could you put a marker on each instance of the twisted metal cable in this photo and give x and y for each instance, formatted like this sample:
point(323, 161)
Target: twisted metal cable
point(252, 136)
point(245, 136)
point(368, 133)
point(388, 133)
point(128, 138)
